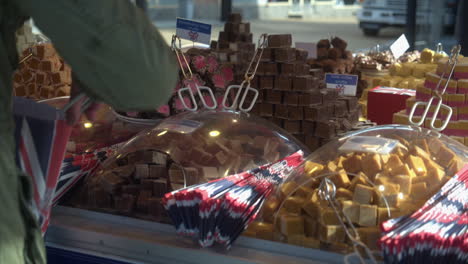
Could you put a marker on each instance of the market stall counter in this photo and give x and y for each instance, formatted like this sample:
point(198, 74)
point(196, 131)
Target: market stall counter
point(103, 238)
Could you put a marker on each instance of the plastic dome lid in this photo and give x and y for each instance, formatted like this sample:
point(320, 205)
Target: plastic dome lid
point(183, 150)
point(372, 175)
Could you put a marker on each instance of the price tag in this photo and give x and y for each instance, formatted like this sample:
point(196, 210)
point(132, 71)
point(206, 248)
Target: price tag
point(346, 84)
point(311, 48)
point(193, 31)
point(400, 46)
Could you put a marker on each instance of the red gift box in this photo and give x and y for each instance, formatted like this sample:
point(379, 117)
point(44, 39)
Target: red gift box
point(383, 102)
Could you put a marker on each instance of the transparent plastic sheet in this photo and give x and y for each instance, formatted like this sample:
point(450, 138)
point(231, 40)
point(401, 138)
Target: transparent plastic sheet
point(402, 178)
point(104, 131)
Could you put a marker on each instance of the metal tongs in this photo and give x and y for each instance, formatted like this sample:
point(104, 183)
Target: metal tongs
point(245, 85)
point(188, 80)
point(451, 63)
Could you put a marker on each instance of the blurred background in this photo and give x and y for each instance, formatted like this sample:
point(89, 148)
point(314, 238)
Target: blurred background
point(364, 23)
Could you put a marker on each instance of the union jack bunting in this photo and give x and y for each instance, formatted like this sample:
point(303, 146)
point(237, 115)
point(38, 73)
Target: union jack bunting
point(41, 135)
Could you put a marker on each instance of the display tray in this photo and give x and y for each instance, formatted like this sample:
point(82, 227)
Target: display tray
point(138, 241)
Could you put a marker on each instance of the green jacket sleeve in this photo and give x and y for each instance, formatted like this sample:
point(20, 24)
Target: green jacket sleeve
point(112, 47)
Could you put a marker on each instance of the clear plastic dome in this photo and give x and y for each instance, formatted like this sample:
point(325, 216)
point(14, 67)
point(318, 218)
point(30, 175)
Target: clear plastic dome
point(104, 131)
point(183, 150)
point(372, 175)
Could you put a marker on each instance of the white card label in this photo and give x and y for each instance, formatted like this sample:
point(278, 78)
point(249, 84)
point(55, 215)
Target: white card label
point(400, 46)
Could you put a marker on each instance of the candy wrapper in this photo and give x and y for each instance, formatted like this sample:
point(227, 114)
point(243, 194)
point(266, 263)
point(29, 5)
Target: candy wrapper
point(220, 210)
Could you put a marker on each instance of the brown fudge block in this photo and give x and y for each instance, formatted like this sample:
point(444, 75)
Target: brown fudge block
point(283, 83)
point(124, 171)
point(214, 45)
point(266, 109)
point(285, 54)
point(287, 68)
point(322, 53)
point(301, 55)
point(351, 102)
point(291, 99)
point(310, 98)
point(329, 95)
point(155, 207)
point(302, 69)
point(292, 126)
point(308, 127)
point(315, 113)
point(235, 18)
point(267, 54)
point(125, 203)
point(160, 187)
point(266, 82)
point(277, 41)
point(157, 171)
point(132, 189)
point(281, 111)
point(269, 68)
point(295, 113)
point(312, 142)
point(325, 129)
point(335, 54)
point(302, 83)
point(142, 201)
point(324, 43)
point(110, 182)
point(274, 97)
point(141, 171)
point(339, 43)
point(340, 109)
point(246, 37)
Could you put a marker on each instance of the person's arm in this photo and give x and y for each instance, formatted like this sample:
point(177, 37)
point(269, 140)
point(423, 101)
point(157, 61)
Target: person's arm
point(112, 47)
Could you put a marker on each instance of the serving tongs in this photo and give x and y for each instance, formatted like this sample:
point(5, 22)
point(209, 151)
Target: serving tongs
point(189, 82)
point(244, 88)
point(438, 95)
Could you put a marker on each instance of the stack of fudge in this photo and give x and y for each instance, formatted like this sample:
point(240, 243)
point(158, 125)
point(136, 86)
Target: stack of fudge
point(333, 57)
point(406, 178)
point(456, 96)
point(235, 45)
point(43, 74)
point(293, 96)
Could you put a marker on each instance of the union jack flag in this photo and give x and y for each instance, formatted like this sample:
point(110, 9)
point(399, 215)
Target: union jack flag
point(41, 135)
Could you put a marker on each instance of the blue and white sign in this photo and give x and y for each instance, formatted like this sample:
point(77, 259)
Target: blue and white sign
point(193, 31)
point(344, 83)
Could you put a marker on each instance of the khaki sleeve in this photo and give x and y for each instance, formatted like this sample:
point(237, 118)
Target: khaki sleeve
point(112, 47)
